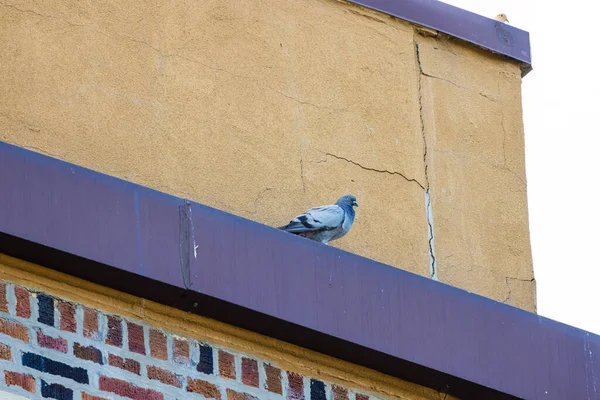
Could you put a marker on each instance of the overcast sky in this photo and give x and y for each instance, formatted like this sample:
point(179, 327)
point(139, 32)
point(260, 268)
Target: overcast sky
point(562, 135)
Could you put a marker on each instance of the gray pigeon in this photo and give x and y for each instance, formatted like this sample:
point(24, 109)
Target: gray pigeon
point(325, 223)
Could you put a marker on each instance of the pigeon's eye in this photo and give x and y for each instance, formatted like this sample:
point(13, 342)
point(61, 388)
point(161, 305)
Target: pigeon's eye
point(347, 198)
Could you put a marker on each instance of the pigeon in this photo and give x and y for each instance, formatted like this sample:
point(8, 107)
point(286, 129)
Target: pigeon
point(325, 223)
point(501, 18)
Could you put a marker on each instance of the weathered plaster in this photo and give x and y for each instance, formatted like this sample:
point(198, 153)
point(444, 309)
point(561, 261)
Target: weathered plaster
point(265, 109)
point(475, 169)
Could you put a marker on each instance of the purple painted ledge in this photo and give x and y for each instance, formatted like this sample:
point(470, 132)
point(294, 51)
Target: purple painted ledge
point(207, 261)
point(482, 31)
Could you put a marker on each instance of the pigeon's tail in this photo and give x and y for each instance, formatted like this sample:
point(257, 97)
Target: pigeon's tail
point(288, 228)
point(297, 227)
point(291, 228)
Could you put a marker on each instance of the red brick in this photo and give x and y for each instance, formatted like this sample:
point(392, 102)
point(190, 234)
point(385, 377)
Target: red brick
point(3, 301)
point(249, 372)
point(85, 396)
point(23, 304)
point(58, 344)
point(67, 317)
point(233, 395)
point(90, 323)
point(295, 386)
point(273, 382)
point(339, 393)
point(14, 329)
point(5, 353)
point(361, 396)
point(136, 338)
point(226, 364)
point(206, 389)
point(164, 376)
point(114, 336)
point(25, 381)
point(126, 389)
point(124, 363)
point(158, 344)
point(89, 353)
point(181, 351)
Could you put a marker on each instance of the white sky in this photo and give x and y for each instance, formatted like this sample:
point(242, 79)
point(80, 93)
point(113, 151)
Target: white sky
point(561, 111)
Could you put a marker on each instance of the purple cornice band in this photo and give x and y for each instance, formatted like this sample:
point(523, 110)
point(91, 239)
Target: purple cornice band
point(482, 31)
point(213, 263)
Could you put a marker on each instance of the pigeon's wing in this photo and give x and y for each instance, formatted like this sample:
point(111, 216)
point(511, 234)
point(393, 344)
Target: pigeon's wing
point(322, 218)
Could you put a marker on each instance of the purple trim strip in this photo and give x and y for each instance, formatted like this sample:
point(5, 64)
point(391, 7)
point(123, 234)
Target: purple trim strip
point(288, 287)
point(482, 31)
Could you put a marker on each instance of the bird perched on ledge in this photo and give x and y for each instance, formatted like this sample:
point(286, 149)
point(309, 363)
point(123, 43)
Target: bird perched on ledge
point(325, 223)
point(501, 18)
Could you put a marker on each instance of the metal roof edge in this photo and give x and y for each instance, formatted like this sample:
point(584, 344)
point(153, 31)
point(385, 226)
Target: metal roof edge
point(485, 32)
point(209, 262)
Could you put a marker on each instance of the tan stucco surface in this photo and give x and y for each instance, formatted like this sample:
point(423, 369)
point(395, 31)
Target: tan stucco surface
point(266, 108)
point(476, 169)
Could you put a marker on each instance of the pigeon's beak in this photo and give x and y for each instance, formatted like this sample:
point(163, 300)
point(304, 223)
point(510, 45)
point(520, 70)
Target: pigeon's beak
point(354, 204)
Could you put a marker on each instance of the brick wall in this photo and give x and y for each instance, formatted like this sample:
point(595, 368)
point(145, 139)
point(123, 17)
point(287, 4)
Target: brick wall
point(53, 348)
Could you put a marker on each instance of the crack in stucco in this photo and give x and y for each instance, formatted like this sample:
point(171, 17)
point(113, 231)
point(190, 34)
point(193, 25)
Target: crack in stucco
point(437, 77)
point(246, 78)
point(430, 237)
point(484, 95)
point(156, 49)
point(304, 102)
point(302, 175)
point(505, 159)
point(503, 139)
point(369, 17)
point(24, 123)
point(428, 209)
point(488, 96)
point(164, 54)
point(38, 14)
point(260, 195)
point(240, 76)
point(385, 171)
point(508, 288)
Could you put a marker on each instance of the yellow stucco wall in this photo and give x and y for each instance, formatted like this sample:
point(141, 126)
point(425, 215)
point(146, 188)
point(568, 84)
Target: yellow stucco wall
point(476, 168)
point(286, 356)
point(266, 108)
